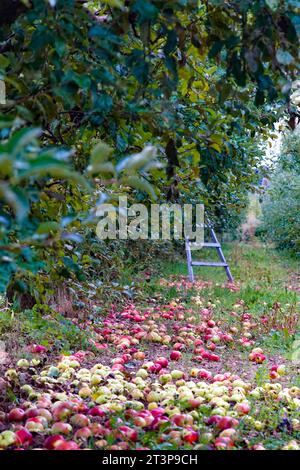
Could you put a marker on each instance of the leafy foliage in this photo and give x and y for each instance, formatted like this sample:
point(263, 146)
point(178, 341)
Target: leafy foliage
point(45, 202)
point(281, 205)
point(203, 82)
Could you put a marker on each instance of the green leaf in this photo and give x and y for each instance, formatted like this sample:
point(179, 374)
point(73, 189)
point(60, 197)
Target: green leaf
point(215, 147)
point(139, 183)
point(216, 138)
point(46, 227)
point(21, 138)
point(273, 4)
point(100, 153)
point(16, 200)
point(225, 92)
point(114, 3)
point(4, 62)
point(171, 42)
point(137, 161)
point(55, 170)
point(146, 10)
point(216, 48)
point(73, 237)
point(284, 57)
point(104, 168)
point(259, 97)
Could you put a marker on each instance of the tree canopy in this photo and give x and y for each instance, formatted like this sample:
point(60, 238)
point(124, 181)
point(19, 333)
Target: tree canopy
point(90, 83)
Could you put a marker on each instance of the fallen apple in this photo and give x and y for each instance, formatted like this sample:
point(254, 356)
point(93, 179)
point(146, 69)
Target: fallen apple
point(7, 439)
point(63, 428)
point(175, 355)
point(16, 414)
point(24, 437)
point(177, 374)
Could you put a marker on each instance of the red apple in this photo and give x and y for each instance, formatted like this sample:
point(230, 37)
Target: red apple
point(223, 443)
point(214, 419)
point(175, 355)
point(194, 403)
point(83, 433)
point(35, 424)
point(162, 361)
point(31, 412)
point(157, 412)
point(190, 436)
point(60, 427)
point(118, 367)
point(97, 411)
point(178, 346)
point(205, 312)
point(274, 375)
point(214, 357)
point(226, 422)
point(198, 358)
point(67, 445)
point(155, 368)
point(227, 338)
point(205, 374)
point(61, 412)
point(52, 441)
point(126, 357)
point(99, 430)
point(159, 421)
point(16, 414)
point(24, 437)
point(243, 408)
point(80, 420)
point(118, 360)
point(128, 433)
point(37, 349)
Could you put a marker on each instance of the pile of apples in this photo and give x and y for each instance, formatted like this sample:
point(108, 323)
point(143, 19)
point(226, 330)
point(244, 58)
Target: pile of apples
point(163, 384)
point(181, 283)
point(67, 406)
point(183, 332)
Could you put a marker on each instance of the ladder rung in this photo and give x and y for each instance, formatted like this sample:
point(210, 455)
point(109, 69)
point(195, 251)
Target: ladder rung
point(211, 245)
point(209, 263)
point(207, 245)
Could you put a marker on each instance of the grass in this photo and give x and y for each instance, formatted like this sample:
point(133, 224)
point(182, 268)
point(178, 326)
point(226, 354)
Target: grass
point(262, 274)
point(263, 306)
point(264, 278)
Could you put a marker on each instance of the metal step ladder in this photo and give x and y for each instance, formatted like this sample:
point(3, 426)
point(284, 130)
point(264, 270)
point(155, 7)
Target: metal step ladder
point(214, 244)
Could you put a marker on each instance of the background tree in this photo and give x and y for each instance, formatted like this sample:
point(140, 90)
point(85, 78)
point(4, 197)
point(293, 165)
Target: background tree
point(281, 204)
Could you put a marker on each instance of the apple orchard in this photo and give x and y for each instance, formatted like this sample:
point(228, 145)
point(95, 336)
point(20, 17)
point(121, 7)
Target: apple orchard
point(104, 343)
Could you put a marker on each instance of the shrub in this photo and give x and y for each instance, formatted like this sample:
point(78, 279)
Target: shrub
point(281, 210)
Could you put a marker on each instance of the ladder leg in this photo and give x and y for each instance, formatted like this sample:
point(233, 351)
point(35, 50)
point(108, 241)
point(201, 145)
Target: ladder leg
point(221, 255)
point(189, 261)
point(229, 275)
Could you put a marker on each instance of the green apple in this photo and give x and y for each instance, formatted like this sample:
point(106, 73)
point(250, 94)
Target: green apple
point(85, 392)
point(194, 372)
point(177, 374)
point(165, 378)
point(23, 363)
point(142, 373)
point(7, 438)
